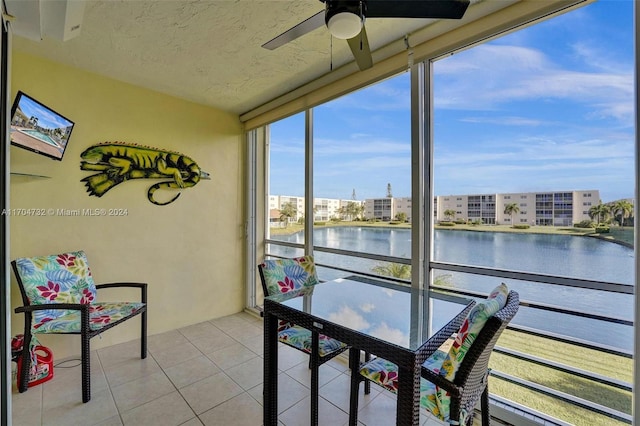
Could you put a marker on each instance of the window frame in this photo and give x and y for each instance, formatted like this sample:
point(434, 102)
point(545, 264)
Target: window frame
point(422, 159)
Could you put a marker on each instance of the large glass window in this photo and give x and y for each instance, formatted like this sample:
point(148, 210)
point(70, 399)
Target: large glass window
point(362, 178)
point(532, 158)
point(546, 113)
point(361, 183)
point(286, 183)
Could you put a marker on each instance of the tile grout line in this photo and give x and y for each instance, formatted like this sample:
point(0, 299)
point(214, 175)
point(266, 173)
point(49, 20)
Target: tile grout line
point(106, 379)
point(196, 415)
point(222, 370)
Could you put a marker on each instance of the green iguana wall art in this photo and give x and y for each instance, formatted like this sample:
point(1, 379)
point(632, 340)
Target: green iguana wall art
point(118, 162)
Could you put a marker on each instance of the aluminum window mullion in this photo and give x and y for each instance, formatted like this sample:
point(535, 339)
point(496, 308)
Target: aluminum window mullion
point(308, 183)
point(250, 224)
point(418, 217)
point(636, 343)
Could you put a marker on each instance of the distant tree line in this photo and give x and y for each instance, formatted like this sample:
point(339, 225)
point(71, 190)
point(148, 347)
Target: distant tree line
point(620, 211)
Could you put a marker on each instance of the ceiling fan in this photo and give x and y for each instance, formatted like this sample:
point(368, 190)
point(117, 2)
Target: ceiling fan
point(345, 20)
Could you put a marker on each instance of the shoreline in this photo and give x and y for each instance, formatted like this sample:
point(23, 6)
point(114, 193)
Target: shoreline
point(616, 235)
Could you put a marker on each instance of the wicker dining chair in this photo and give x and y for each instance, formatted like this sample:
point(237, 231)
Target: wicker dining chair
point(286, 275)
point(451, 387)
point(60, 297)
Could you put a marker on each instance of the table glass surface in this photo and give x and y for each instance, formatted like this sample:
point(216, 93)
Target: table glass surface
point(383, 312)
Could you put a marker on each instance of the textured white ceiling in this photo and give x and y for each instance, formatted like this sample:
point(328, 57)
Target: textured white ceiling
point(208, 51)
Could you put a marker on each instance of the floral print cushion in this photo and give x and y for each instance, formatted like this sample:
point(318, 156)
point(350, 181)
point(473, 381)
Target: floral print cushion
point(445, 361)
point(438, 406)
point(100, 314)
point(285, 275)
point(381, 372)
point(500, 293)
point(385, 373)
point(470, 328)
point(467, 334)
point(300, 338)
point(432, 398)
point(61, 278)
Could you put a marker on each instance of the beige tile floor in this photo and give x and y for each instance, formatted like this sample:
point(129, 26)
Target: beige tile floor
point(205, 374)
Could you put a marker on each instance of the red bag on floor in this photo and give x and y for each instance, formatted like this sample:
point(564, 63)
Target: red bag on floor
point(42, 370)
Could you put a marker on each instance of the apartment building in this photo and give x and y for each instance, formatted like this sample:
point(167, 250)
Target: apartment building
point(387, 208)
point(324, 209)
point(278, 202)
point(557, 208)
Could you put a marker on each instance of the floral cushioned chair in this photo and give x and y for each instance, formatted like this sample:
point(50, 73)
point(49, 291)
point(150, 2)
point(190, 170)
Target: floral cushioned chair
point(60, 297)
point(455, 377)
point(286, 275)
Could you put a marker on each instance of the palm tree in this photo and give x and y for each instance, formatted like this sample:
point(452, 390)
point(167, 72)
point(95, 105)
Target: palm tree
point(401, 217)
point(599, 212)
point(396, 270)
point(358, 210)
point(443, 280)
point(624, 208)
point(511, 209)
point(400, 270)
point(353, 210)
point(342, 212)
point(287, 211)
point(449, 214)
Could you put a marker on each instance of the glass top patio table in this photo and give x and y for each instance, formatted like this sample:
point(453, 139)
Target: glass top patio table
point(385, 320)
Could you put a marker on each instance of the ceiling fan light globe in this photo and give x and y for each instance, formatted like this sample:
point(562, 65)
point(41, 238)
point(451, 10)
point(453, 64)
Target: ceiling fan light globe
point(344, 25)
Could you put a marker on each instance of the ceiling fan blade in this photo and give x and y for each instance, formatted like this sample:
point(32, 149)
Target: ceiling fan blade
point(441, 9)
point(360, 48)
point(308, 25)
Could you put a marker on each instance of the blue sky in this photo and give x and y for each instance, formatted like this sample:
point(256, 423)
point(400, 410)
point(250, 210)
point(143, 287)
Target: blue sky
point(46, 118)
point(546, 108)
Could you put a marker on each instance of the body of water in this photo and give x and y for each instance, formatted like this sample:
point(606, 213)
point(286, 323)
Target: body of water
point(559, 255)
point(38, 135)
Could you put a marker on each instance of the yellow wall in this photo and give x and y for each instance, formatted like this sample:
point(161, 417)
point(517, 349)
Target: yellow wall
point(190, 252)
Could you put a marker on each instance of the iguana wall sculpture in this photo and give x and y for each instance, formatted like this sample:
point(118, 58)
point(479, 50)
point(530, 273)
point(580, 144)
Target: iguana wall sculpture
point(120, 161)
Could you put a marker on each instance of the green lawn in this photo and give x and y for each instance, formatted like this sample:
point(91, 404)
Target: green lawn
point(586, 359)
point(621, 235)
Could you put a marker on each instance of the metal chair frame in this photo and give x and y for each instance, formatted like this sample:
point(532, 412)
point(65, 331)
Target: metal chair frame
point(315, 360)
point(470, 383)
point(86, 333)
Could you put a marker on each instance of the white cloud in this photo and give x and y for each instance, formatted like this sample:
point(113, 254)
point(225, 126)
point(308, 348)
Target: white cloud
point(367, 307)
point(347, 315)
point(491, 75)
point(393, 335)
point(359, 146)
point(505, 121)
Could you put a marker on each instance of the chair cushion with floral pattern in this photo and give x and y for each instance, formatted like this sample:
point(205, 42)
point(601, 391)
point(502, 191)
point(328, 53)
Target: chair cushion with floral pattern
point(301, 338)
point(445, 361)
point(471, 327)
point(285, 275)
point(385, 374)
point(100, 315)
point(61, 278)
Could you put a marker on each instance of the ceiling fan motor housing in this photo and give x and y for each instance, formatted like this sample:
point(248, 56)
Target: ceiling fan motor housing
point(345, 18)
